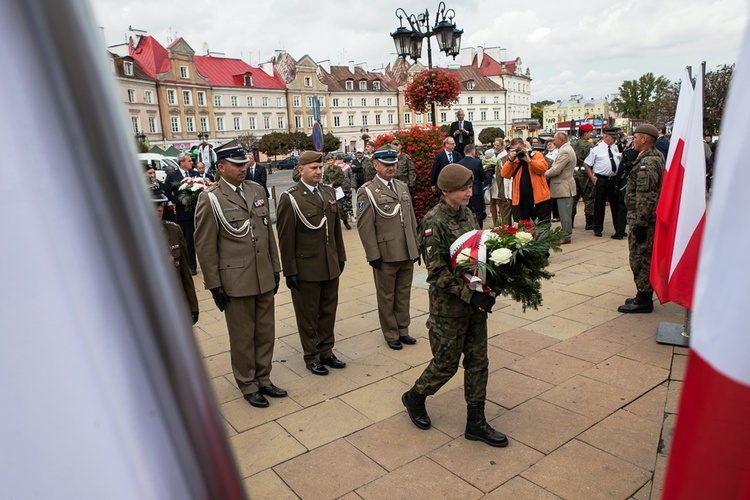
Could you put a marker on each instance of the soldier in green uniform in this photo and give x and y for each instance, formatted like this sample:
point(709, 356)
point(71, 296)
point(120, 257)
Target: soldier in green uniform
point(584, 186)
point(405, 170)
point(458, 315)
point(177, 251)
point(641, 198)
point(334, 177)
point(367, 162)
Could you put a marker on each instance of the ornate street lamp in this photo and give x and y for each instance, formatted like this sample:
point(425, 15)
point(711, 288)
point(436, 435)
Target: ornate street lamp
point(203, 136)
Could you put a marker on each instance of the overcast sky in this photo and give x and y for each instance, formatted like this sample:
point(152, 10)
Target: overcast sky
point(584, 48)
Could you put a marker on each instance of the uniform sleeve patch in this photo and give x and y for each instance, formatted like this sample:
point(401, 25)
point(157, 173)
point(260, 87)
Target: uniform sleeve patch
point(643, 167)
point(428, 232)
point(360, 206)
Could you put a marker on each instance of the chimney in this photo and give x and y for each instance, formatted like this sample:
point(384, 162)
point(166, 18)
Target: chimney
point(326, 65)
point(351, 67)
point(467, 56)
point(480, 56)
point(267, 67)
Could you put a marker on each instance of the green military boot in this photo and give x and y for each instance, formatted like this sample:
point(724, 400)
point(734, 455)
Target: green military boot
point(414, 403)
point(642, 303)
point(477, 428)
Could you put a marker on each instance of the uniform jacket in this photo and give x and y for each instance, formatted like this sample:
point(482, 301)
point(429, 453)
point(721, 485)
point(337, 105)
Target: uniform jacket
point(582, 149)
point(560, 176)
point(405, 170)
point(242, 266)
point(261, 176)
point(441, 160)
point(179, 259)
point(383, 238)
point(368, 169)
point(307, 253)
point(174, 178)
point(537, 169)
point(643, 188)
point(441, 226)
point(333, 176)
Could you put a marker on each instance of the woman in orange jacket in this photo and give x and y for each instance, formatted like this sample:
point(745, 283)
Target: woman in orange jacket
point(531, 197)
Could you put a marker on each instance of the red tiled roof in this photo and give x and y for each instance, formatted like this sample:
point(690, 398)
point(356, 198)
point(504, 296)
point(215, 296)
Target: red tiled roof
point(469, 74)
point(490, 67)
point(151, 56)
point(226, 72)
point(336, 79)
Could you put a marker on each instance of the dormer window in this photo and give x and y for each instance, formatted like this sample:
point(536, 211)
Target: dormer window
point(363, 85)
point(376, 85)
point(128, 68)
point(308, 81)
point(350, 85)
point(184, 72)
point(248, 81)
point(469, 85)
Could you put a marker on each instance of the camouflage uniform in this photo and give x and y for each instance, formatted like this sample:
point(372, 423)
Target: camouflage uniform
point(584, 186)
point(641, 198)
point(368, 168)
point(405, 171)
point(455, 326)
point(334, 177)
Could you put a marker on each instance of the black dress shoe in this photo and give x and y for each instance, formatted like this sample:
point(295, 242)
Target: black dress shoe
point(346, 225)
point(272, 391)
point(617, 236)
point(407, 339)
point(598, 234)
point(396, 345)
point(318, 369)
point(193, 272)
point(333, 362)
point(257, 400)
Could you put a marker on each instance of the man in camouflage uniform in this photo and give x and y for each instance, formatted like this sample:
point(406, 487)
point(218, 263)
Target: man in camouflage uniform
point(334, 177)
point(458, 315)
point(584, 186)
point(641, 198)
point(367, 162)
point(405, 170)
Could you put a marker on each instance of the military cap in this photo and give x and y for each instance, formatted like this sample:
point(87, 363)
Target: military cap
point(454, 177)
point(310, 157)
point(330, 156)
point(157, 195)
point(647, 129)
point(387, 155)
point(586, 127)
point(360, 150)
point(610, 131)
point(232, 155)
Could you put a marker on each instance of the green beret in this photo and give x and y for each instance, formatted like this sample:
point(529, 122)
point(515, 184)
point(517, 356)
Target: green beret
point(310, 157)
point(647, 129)
point(454, 177)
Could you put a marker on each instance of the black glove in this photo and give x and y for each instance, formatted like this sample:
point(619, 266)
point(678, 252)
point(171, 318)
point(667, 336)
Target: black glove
point(220, 297)
point(376, 263)
point(483, 301)
point(291, 282)
point(418, 260)
point(640, 234)
point(341, 266)
point(195, 317)
point(277, 279)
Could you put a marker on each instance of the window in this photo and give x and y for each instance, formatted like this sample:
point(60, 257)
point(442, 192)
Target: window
point(148, 97)
point(390, 118)
point(496, 115)
point(298, 121)
point(204, 124)
point(266, 122)
point(135, 123)
point(429, 117)
point(220, 123)
point(281, 122)
point(236, 125)
point(377, 119)
point(376, 85)
point(496, 100)
point(350, 102)
point(377, 101)
point(363, 101)
point(407, 118)
point(419, 118)
point(349, 85)
point(389, 101)
point(248, 81)
point(470, 100)
point(190, 124)
point(443, 116)
point(250, 101)
point(234, 101)
point(335, 102)
point(483, 100)
point(469, 85)
point(201, 98)
point(131, 95)
point(171, 97)
point(151, 125)
point(217, 100)
point(279, 102)
point(336, 121)
point(128, 68)
point(175, 124)
point(309, 121)
point(187, 98)
point(322, 102)
point(184, 72)
point(251, 122)
point(266, 102)
point(351, 120)
point(364, 120)
point(363, 85)
point(471, 116)
point(483, 116)
point(308, 81)
point(297, 101)
point(310, 101)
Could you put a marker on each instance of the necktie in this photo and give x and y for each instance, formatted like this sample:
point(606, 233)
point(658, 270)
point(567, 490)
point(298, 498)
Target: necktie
point(316, 192)
point(460, 134)
point(239, 192)
point(252, 174)
point(391, 186)
point(612, 161)
point(450, 157)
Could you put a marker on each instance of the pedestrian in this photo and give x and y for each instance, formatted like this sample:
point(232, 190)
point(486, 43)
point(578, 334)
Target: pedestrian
point(601, 167)
point(257, 173)
point(562, 186)
point(641, 199)
point(313, 257)
point(531, 197)
point(476, 204)
point(185, 218)
point(445, 157)
point(369, 170)
point(347, 187)
point(405, 169)
point(584, 186)
point(240, 262)
point(458, 315)
point(358, 169)
point(334, 177)
point(461, 131)
point(500, 188)
point(388, 230)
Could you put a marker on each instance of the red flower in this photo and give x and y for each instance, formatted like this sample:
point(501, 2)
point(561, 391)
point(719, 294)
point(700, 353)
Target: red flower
point(432, 85)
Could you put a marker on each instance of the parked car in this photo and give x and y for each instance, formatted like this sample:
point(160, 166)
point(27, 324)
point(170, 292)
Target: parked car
point(287, 163)
point(162, 164)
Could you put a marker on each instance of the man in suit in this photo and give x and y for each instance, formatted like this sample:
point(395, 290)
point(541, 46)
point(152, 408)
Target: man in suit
point(447, 156)
point(476, 203)
point(240, 262)
point(257, 173)
point(184, 218)
point(312, 256)
point(462, 131)
point(662, 143)
point(562, 185)
point(388, 230)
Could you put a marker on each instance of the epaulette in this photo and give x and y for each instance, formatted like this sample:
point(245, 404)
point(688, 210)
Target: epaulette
point(212, 187)
point(170, 223)
point(290, 190)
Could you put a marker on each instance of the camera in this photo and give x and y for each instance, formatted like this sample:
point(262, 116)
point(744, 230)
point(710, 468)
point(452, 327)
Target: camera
point(520, 153)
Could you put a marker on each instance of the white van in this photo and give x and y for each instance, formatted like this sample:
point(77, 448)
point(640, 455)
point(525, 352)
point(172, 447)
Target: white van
point(162, 164)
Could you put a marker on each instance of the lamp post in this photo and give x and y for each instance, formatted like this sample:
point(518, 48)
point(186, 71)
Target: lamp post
point(365, 135)
point(408, 41)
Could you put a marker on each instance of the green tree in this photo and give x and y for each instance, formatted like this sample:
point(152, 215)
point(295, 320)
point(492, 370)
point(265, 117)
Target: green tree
point(274, 144)
point(489, 134)
point(637, 97)
point(537, 110)
point(715, 89)
point(331, 142)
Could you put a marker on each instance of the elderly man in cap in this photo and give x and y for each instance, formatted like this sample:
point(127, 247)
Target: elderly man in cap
point(388, 230)
point(641, 198)
point(601, 167)
point(458, 315)
point(312, 256)
point(584, 187)
point(240, 262)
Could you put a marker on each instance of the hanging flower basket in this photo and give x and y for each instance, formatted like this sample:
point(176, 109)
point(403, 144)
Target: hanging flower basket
point(432, 85)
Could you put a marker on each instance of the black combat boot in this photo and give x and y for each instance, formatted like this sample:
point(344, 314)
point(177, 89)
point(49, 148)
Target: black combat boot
point(477, 428)
point(643, 303)
point(589, 222)
point(414, 403)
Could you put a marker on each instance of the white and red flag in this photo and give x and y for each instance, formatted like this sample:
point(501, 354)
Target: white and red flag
point(710, 455)
point(681, 213)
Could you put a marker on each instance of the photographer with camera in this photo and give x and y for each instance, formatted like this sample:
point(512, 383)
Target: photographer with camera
point(531, 196)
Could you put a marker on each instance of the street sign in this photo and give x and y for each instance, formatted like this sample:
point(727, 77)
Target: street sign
point(317, 137)
point(316, 109)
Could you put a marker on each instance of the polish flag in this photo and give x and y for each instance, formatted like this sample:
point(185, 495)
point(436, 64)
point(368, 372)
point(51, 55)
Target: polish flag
point(681, 212)
point(710, 455)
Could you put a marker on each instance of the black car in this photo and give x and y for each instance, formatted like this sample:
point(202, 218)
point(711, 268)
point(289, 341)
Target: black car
point(287, 163)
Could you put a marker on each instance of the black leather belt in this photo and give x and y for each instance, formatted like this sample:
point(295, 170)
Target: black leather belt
point(605, 176)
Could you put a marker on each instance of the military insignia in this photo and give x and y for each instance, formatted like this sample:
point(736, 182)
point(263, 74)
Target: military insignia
point(643, 167)
point(361, 206)
point(387, 207)
point(428, 232)
point(377, 190)
point(172, 248)
point(332, 202)
point(259, 203)
point(231, 209)
point(265, 221)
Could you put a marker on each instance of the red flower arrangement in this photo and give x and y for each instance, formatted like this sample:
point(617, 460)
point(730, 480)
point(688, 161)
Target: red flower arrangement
point(432, 85)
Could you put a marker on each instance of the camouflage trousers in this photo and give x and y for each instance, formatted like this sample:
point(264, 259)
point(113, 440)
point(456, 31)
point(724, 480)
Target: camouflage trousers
point(449, 338)
point(640, 259)
point(585, 189)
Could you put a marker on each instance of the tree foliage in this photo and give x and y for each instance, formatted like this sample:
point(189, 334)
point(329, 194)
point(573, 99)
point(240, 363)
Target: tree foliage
point(637, 97)
point(274, 144)
point(537, 110)
point(330, 142)
point(248, 141)
point(715, 92)
point(489, 134)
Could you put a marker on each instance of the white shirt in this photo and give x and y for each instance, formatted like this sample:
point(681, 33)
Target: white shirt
point(598, 159)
